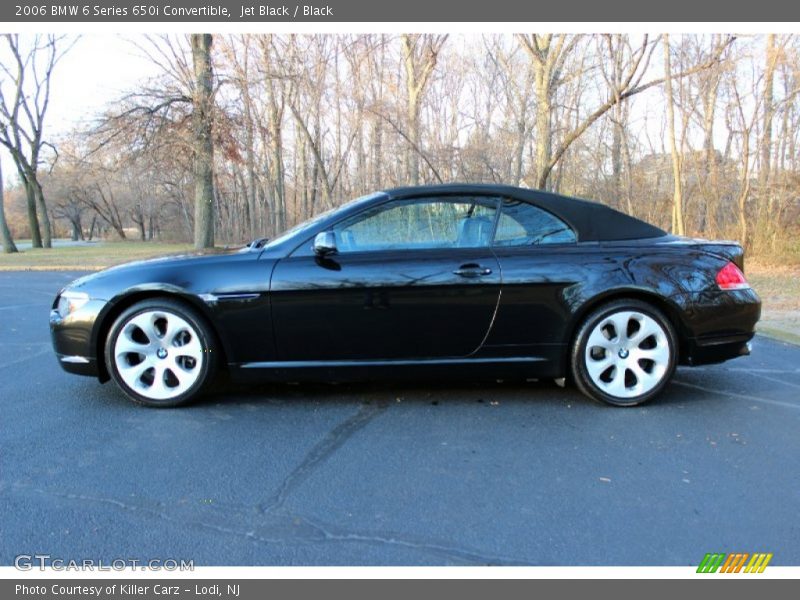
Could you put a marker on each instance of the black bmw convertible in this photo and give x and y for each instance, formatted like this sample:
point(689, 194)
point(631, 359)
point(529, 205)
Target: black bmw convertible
point(466, 281)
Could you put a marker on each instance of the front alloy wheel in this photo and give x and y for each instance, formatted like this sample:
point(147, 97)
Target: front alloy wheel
point(625, 353)
point(158, 352)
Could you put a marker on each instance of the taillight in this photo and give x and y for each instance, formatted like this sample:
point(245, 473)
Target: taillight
point(730, 277)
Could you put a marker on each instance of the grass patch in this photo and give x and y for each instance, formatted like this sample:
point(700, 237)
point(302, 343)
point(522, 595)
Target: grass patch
point(779, 289)
point(778, 285)
point(88, 257)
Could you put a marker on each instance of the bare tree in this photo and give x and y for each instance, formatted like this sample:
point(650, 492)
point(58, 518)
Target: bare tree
point(515, 81)
point(238, 52)
point(100, 195)
point(742, 125)
point(279, 86)
point(613, 71)
point(550, 59)
point(65, 205)
point(549, 54)
point(22, 116)
point(420, 55)
point(708, 84)
point(159, 119)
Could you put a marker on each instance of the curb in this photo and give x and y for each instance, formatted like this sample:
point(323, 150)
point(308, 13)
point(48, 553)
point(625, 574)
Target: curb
point(779, 335)
point(52, 268)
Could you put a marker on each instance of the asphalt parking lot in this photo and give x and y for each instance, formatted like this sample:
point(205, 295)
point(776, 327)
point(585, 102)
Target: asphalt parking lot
point(506, 473)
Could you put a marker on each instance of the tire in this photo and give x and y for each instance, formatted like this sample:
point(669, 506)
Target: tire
point(161, 353)
point(628, 369)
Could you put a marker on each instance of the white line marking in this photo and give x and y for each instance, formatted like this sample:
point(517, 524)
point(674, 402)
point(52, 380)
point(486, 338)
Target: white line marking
point(737, 396)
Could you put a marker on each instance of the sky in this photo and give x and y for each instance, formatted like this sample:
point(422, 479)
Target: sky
point(96, 70)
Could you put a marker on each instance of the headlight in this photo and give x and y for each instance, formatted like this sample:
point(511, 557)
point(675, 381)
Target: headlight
point(70, 301)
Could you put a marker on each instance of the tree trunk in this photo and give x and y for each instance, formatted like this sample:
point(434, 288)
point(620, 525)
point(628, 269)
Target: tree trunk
point(413, 133)
point(278, 171)
point(616, 160)
point(413, 92)
point(41, 209)
point(377, 155)
point(618, 126)
point(711, 168)
point(519, 148)
point(765, 200)
point(33, 218)
point(544, 132)
point(203, 147)
point(677, 195)
point(249, 141)
point(76, 233)
point(8, 242)
point(769, 109)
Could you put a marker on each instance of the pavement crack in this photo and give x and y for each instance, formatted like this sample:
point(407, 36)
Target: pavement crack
point(128, 506)
point(160, 512)
point(283, 528)
point(329, 444)
point(44, 350)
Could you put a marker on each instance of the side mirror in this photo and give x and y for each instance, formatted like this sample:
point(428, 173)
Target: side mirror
point(325, 243)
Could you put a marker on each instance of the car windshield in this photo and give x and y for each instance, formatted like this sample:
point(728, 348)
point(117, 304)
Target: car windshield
point(313, 221)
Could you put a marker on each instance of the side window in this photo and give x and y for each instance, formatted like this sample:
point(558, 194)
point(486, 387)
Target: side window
point(523, 224)
point(426, 223)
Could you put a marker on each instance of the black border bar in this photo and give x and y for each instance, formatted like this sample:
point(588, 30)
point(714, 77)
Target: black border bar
point(431, 11)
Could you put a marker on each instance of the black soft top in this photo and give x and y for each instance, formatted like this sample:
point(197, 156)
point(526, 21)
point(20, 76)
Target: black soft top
point(591, 221)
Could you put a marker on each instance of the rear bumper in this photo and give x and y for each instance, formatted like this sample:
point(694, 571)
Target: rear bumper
point(716, 350)
point(720, 326)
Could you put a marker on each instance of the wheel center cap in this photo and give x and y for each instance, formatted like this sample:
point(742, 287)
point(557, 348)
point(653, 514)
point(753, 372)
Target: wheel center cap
point(623, 353)
point(161, 353)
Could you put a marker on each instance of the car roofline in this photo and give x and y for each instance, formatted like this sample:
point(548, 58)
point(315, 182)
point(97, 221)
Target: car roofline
point(591, 220)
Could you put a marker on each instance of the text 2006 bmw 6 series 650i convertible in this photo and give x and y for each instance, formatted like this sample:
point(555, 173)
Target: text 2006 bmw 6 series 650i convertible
point(456, 280)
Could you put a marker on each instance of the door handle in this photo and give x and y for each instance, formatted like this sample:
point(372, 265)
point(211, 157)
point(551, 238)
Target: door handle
point(472, 270)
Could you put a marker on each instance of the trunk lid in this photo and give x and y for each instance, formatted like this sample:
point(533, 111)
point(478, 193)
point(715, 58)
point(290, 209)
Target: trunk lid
point(726, 249)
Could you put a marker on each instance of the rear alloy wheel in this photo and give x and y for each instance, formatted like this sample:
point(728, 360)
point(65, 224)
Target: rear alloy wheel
point(159, 353)
point(625, 353)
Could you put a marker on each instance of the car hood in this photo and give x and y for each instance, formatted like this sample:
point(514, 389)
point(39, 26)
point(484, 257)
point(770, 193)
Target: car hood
point(181, 271)
point(184, 259)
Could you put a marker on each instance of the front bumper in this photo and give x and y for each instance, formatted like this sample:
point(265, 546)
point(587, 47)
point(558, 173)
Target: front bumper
point(78, 365)
point(73, 338)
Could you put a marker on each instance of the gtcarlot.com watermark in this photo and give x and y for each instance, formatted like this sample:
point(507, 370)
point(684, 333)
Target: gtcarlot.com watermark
point(29, 562)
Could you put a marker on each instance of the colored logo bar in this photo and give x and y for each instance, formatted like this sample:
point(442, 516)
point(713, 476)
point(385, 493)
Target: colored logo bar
point(735, 562)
